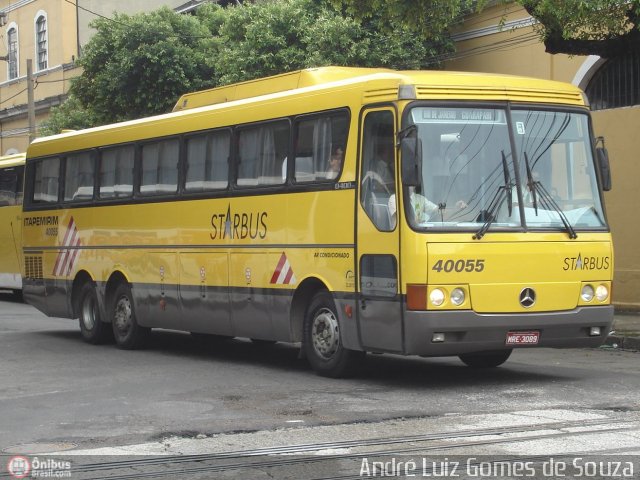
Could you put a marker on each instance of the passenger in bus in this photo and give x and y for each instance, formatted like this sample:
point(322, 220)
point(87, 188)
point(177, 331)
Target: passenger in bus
point(335, 163)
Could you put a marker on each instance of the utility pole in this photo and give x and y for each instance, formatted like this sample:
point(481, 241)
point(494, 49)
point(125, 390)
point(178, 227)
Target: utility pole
point(31, 107)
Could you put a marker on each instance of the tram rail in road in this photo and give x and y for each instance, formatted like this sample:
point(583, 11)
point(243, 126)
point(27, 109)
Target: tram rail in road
point(344, 459)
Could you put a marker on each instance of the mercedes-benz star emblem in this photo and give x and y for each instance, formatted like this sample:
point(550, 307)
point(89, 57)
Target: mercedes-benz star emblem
point(527, 297)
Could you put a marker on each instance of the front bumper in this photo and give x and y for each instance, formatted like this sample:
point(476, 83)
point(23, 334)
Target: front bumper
point(467, 331)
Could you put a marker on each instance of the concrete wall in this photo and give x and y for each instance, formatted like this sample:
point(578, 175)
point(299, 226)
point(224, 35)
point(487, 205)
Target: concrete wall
point(108, 7)
point(486, 47)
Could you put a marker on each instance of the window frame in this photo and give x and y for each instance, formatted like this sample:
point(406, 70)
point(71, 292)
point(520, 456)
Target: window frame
point(63, 177)
point(296, 120)
point(15, 63)
point(116, 200)
point(37, 44)
point(232, 189)
point(185, 163)
point(238, 129)
point(137, 193)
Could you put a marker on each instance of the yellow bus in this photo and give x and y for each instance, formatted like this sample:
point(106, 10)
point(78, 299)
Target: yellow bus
point(11, 183)
point(349, 210)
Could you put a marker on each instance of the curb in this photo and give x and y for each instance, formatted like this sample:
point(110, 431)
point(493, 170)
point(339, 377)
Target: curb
point(625, 343)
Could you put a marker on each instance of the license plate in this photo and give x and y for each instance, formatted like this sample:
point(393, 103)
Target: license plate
point(522, 338)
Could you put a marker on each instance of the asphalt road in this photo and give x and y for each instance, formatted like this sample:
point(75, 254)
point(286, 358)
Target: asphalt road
point(181, 396)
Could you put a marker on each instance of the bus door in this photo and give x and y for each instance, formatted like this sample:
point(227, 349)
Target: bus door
point(379, 302)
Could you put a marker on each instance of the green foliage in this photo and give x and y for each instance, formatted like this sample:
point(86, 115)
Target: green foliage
point(587, 27)
point(584, 19)
point(431, 19)
point(138, 65)
point(70, 115)
point(270, 37)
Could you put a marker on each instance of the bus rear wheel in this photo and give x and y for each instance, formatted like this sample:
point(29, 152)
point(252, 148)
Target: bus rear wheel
point(489, 359)
point(322, 342)
point(126, 331)
point(92, 328)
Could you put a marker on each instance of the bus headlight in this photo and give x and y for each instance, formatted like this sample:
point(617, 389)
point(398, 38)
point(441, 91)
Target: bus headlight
point(602, 293)
point(457, 296)
point(436, 297)
point(587, 293)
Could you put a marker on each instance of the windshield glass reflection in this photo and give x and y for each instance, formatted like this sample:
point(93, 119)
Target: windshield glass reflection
point(469, 176)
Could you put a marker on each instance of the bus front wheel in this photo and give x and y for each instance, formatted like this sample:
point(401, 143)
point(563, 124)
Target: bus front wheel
point(486, 359)
point(92, 328)
point(128, 334)
point(322, 342)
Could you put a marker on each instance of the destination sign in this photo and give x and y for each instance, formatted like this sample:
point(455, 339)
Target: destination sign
point(458, 115)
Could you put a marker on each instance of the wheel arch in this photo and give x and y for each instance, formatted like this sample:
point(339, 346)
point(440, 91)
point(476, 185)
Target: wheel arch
point(82, 277)
point(116, 278)
point(301, 299)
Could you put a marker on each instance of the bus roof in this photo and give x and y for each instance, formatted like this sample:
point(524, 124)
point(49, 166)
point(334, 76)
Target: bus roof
point(14, 160)
point(277, 83)
point(427, 80)
point(365, 85)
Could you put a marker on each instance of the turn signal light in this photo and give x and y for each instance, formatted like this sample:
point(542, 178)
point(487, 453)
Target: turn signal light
point(416, 297)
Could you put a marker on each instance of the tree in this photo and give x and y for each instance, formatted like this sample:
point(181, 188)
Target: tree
point(595, 27)
point(431, 19)
point(138, 65)
point(70, 115)
point(270, 37)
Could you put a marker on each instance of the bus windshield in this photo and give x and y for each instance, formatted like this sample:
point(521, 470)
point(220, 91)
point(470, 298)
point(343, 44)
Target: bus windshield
point(471, 180)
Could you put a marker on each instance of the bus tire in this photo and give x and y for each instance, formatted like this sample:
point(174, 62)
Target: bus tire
point(322, 343)
point(126, 331)
point(488, 359)
point(92, 328)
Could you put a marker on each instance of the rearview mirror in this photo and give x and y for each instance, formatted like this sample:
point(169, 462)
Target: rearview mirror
point(605, 170)
point(411, 151)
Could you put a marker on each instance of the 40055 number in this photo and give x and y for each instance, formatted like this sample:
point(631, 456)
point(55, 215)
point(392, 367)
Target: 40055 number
point(448, 266)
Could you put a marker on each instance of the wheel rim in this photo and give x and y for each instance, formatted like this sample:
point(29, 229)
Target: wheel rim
point(89, 313)
point(325, 334)
point(122, 318)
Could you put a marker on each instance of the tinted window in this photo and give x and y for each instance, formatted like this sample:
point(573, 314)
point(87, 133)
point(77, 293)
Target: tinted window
point(262, 154)
point(116, 172)
point(8, 184)
point(378, 189)
point(79, 177)
point(208, 161)
point(320, 144)
point(160, 167)
point(45, 181)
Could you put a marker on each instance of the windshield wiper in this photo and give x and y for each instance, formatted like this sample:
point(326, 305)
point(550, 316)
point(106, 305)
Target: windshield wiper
point(546, 199)
point(503, 192)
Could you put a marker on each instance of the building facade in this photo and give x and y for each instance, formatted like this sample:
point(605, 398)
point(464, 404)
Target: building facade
point(51, 34)
point(488, 43)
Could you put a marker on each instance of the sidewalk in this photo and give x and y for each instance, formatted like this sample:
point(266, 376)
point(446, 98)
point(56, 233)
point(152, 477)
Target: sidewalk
point(626, 331)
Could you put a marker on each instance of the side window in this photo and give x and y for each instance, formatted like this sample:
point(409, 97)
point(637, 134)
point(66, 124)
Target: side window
point(320, 145)
point(208, 161)
point(11, 186)
point(116, 172)
point(45, 181)
point(20, 186)
point(79, 177)
point(160, 167)
point(377, 187)
point(262, 154)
